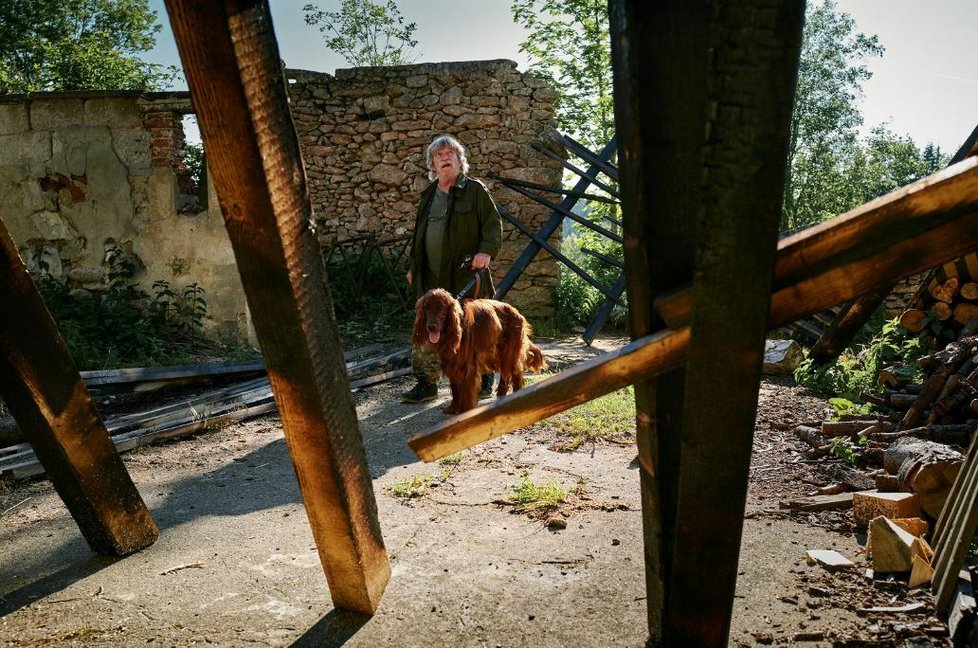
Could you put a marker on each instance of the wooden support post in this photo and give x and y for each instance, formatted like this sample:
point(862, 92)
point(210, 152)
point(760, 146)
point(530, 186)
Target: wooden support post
point(233, 68)
point(753, 60)
point(46, 395)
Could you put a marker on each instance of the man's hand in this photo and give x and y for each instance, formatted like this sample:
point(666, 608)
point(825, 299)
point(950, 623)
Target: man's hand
point(409, 277)
point(480, 261)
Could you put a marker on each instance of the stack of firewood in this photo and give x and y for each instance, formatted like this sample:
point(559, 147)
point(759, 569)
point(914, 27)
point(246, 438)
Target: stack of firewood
point(945, 304)
point(919, 438)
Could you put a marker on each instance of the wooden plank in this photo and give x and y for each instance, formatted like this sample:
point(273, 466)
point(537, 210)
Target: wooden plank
point(837, 502)
point(583, 382)
point(955, 526)
point(45, 394)
point(233, 69)
point(898, 235)
point(840, 332)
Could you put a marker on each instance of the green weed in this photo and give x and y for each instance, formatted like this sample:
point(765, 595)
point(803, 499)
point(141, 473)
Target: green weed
point(609, 419)
point(416, 486)
point(527, 496)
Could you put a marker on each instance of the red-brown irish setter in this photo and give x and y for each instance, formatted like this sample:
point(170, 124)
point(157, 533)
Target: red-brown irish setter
point(473, 337)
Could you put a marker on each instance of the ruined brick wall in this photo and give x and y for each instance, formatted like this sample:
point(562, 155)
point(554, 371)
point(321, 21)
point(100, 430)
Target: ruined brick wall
point(364, 133)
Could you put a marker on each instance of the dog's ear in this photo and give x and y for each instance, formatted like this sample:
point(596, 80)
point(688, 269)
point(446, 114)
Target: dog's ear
point(452, 331)
point(419, 334)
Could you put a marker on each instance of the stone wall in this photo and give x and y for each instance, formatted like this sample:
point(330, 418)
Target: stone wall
point(364, 133)
point(84, 172)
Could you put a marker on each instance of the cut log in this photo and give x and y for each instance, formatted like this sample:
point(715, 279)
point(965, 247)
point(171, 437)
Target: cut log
point(809, 435)
point(941, 311)
point(913, 320)
point(887, 483)
point(946, 291)
point(892, 548)
point(901, 401)
point(852, 428)
point(965, 311)
point(894, 376)
point(867, 505)
point(969, 290)
point(925, 468)
point(958, 434)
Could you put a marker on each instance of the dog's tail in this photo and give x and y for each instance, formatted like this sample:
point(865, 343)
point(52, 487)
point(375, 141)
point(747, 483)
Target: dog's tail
point(533, 358)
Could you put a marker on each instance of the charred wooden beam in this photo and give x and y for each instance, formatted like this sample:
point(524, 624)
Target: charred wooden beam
point(588, 156)
point(560, 256)
point(591, 176)
point(46, 395)
point(232, 64)
point(513, 182)
point(897, 235)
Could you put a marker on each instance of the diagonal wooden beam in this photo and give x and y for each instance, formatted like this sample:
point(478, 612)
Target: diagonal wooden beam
point(46, 395)
point(912, 227)
point(232, 65)
point(918, 239)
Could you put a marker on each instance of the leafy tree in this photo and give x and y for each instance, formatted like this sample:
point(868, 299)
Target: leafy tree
point(890, 161)
point(365, 33)
point(826, 115)
point(78, 45)
point(569, 42)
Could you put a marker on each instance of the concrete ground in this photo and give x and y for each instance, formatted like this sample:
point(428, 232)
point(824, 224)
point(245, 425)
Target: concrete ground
point(236, 565)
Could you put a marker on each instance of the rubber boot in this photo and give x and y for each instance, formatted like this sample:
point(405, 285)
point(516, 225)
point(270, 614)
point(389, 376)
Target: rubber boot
point(421, 392)
point(487, 380)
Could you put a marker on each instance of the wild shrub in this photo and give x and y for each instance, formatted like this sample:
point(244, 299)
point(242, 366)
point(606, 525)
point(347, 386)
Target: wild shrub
point(123, 325)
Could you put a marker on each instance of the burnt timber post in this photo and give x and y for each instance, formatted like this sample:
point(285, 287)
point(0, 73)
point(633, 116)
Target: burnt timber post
point(703, 98)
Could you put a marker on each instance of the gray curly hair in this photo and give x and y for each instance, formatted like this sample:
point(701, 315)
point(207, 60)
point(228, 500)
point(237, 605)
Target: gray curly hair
point(445, 141)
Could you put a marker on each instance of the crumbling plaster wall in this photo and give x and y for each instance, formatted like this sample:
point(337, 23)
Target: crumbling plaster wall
point(364, 133)
point(81, 173)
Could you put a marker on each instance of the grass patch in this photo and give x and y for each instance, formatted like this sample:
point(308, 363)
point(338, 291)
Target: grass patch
point(417, 486)
point(527, 496)
point(609, 419)
point(452, 460)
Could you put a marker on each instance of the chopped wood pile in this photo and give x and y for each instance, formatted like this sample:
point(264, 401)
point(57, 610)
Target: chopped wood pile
point(945, 301)
point(917, 441)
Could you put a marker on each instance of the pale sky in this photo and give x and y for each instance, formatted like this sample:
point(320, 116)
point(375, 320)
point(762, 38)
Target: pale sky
point(925, 85)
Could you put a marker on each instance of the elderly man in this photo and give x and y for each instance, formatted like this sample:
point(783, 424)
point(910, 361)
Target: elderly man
point(457, 231)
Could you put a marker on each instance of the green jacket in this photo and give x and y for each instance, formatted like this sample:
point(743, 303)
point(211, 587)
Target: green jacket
point(473, 225)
